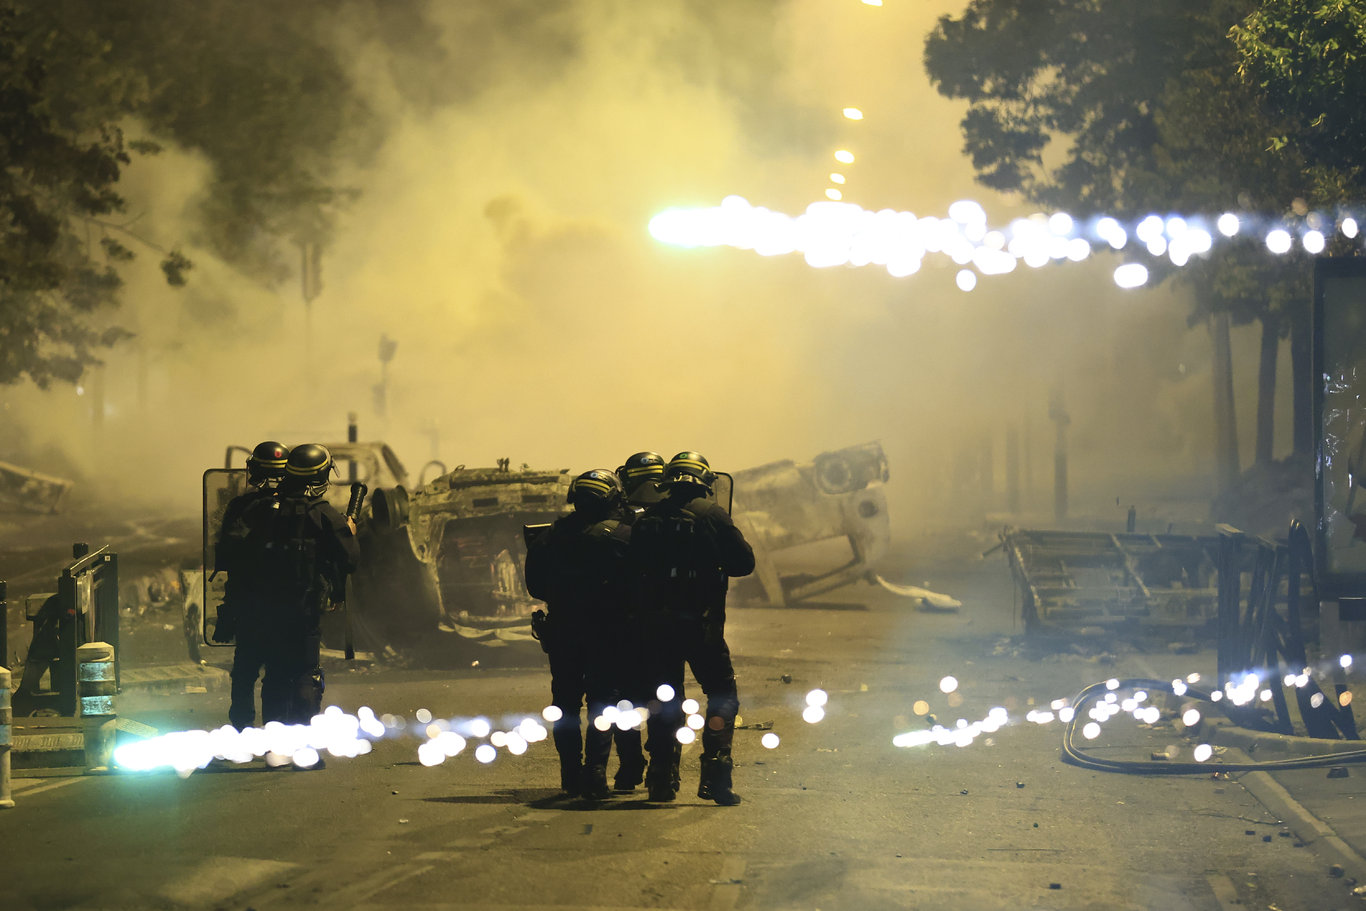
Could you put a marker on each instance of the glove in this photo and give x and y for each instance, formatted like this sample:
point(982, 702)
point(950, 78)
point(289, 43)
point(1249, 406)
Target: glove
point(539, 625)
point(225, 624)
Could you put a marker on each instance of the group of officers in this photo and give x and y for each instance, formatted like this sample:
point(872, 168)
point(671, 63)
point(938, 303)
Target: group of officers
point(286, 552)
point(635, 581)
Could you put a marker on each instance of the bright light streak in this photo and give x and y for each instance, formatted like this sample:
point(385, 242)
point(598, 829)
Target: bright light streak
point(1228, 224)
point(1193, 678)
point(552, 713)
point(1279, 241)
point(696, 722)
point(1349, 228)
point(844, 156)
point(691, 705)
point(685, 736)
point(837, 178)
point(1314, 242)
point(1131, 275)
point(1203, 752)
point(664, 693)
point(833, 194)
point(813, 714)
point(853, 113)
point(770, 741)
point(948, 684)
point(1091, 731)
point(872, 2)
point(485, 753)
point(1190, 717)
point(817, 697)
point(1345, 661)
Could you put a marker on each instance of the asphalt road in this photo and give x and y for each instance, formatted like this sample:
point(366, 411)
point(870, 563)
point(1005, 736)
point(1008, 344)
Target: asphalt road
point(835, 817)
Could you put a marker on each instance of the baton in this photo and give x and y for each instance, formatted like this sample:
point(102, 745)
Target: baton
point(358, 491)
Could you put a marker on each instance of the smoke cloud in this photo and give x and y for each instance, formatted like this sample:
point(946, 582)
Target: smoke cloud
point(500, 240)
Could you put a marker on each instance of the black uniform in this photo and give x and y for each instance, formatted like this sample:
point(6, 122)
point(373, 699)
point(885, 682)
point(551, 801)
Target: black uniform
point(290, 565)
point(685, 548)
point(578, 567)
point(248, 656)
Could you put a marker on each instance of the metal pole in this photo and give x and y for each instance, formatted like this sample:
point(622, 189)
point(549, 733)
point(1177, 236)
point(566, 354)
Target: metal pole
point(97, 691)
point(6, 726)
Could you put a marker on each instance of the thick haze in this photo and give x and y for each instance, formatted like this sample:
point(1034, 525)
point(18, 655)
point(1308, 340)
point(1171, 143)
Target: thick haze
point(501, 240)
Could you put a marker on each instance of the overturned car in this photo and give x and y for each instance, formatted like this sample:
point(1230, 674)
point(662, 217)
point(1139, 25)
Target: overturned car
point(447, 555)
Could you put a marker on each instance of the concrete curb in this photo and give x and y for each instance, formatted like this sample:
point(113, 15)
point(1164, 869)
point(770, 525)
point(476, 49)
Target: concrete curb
point(173, 678)
point(1246, 746)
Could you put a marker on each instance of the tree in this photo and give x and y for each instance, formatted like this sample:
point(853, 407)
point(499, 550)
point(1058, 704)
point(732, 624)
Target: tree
point(1308, 59)
point(60, 247)
point(1131, 108)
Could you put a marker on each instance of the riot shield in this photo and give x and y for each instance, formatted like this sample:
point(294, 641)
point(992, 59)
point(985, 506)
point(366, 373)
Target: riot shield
point(221, 485)
point(724, 490)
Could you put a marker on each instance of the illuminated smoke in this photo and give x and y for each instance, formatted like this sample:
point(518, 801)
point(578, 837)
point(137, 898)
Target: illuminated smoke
point(836, 233)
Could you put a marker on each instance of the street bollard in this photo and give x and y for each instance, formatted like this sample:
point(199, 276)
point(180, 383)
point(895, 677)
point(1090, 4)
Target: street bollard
point(6, 737)
point(96, 686)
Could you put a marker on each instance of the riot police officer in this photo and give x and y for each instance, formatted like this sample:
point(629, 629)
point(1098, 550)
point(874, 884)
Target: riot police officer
point(301, 549)
point(578, 567)
point(640, 476)
point(685, 548)
point(265, 469)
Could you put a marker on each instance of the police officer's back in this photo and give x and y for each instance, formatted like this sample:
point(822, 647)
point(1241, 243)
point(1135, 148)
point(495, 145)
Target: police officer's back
point(685, 548)
point(578, 567)
point(237, 615)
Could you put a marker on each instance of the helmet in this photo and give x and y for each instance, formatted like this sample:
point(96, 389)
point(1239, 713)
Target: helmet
point(641, 467)
point(309, 466)
point(595, 489)
point(266, 464)
point(690, 467)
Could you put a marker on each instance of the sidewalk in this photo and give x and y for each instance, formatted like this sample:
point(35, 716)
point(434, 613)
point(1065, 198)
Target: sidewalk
point(1324, 806)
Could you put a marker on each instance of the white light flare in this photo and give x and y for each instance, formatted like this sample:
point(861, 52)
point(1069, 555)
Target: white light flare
point(770, 741)
point(844, 156)
point(1131, 275)
point(852, 114)
point(817, 697)
point(948, 684)
point(1278, 241)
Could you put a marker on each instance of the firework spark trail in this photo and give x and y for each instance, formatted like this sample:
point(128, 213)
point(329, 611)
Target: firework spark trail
point(337, 733)
point(844, 234)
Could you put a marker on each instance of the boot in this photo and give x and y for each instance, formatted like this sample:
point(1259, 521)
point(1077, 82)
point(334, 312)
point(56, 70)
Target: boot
point(595, 783)
point(630, 761)
point(659, 779)
point(571, 776)
point(715, 782)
